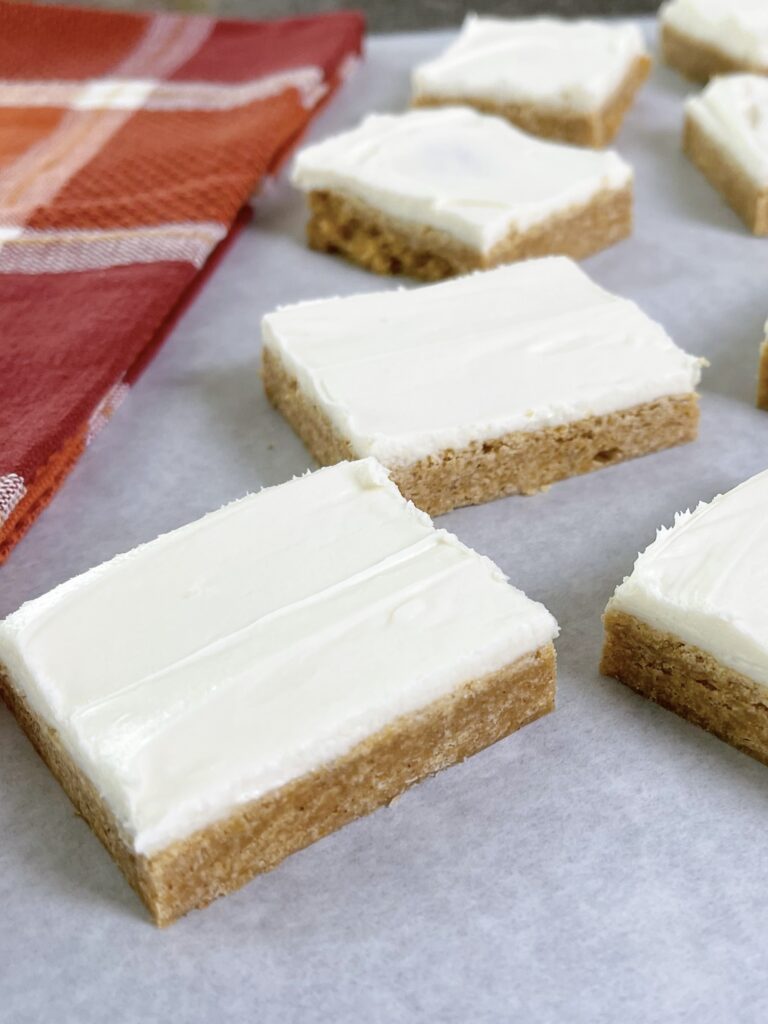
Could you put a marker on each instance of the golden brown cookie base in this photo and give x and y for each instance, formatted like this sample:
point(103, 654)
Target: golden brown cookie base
point(522, 462)
point(594, 128)
point(727, 176)
point(224, 856)
point(699, 61)
point(688, 681)
point(344, 225)
point(762, 383)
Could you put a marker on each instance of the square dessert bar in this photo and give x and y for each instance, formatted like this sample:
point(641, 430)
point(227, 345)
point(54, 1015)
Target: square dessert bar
point(434, 193)
point(567, 80)
point(497, 383)
point(762, 381)
point(726, 137)
point(235, 690)
point(689, 627)
point(702, 38)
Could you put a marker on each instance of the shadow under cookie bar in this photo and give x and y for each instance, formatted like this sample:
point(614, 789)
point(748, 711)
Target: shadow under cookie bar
point(582, 128)
point(522, 462)
point(225, 855)
point(700, 61)
point(742, 194)
point(688, 681)
point(342, 224)
point(762, 382)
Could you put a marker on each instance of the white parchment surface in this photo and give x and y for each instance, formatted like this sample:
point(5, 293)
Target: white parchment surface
point(607, 864)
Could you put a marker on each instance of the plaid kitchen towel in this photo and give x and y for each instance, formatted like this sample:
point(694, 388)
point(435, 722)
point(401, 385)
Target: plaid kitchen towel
point(129, 145)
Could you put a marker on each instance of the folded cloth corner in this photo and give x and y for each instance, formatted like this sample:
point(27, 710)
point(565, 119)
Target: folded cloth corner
point(130, 145)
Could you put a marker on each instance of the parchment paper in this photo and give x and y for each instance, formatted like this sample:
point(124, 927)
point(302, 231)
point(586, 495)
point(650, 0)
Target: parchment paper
point(607, 864)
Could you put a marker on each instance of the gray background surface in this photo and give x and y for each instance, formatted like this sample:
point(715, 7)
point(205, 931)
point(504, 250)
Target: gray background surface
point(607, 864)
point(388, 15)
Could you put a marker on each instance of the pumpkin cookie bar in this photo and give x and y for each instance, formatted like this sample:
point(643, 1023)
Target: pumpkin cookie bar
point(567, 80)
point(241, 687)
point(497, 383)
point(435, 193)
point(689, 627)
point(703, 38)
point(726, 136)
point(762, 383)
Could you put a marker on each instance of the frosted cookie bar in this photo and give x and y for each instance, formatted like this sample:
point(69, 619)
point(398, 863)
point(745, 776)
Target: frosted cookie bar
point(496, 383)
point(702, 38)
point(689, 627)
point(762, 384)
point(567, 80)
point(433, 193)
point(726, 136)
point(234, 690)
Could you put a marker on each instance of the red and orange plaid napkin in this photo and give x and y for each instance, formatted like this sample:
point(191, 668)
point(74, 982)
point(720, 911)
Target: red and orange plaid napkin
point(129, 145)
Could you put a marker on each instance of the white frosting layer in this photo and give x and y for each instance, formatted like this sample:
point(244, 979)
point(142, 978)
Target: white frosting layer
point(409, 373)
point(706, 580)
point(573, 65)
point(738, 28)
point(733, 111)
point(471, 175)
point(229, 657)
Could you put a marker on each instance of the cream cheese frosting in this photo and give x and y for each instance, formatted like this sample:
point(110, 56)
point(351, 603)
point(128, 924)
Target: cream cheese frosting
point(221, 661)
point(576, 65)
point(410, 373)
point(733, 111)
point(706, 580)
point(738, 28)
point(473, 176)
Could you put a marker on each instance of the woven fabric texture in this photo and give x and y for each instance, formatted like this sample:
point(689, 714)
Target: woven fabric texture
point(129, 147)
